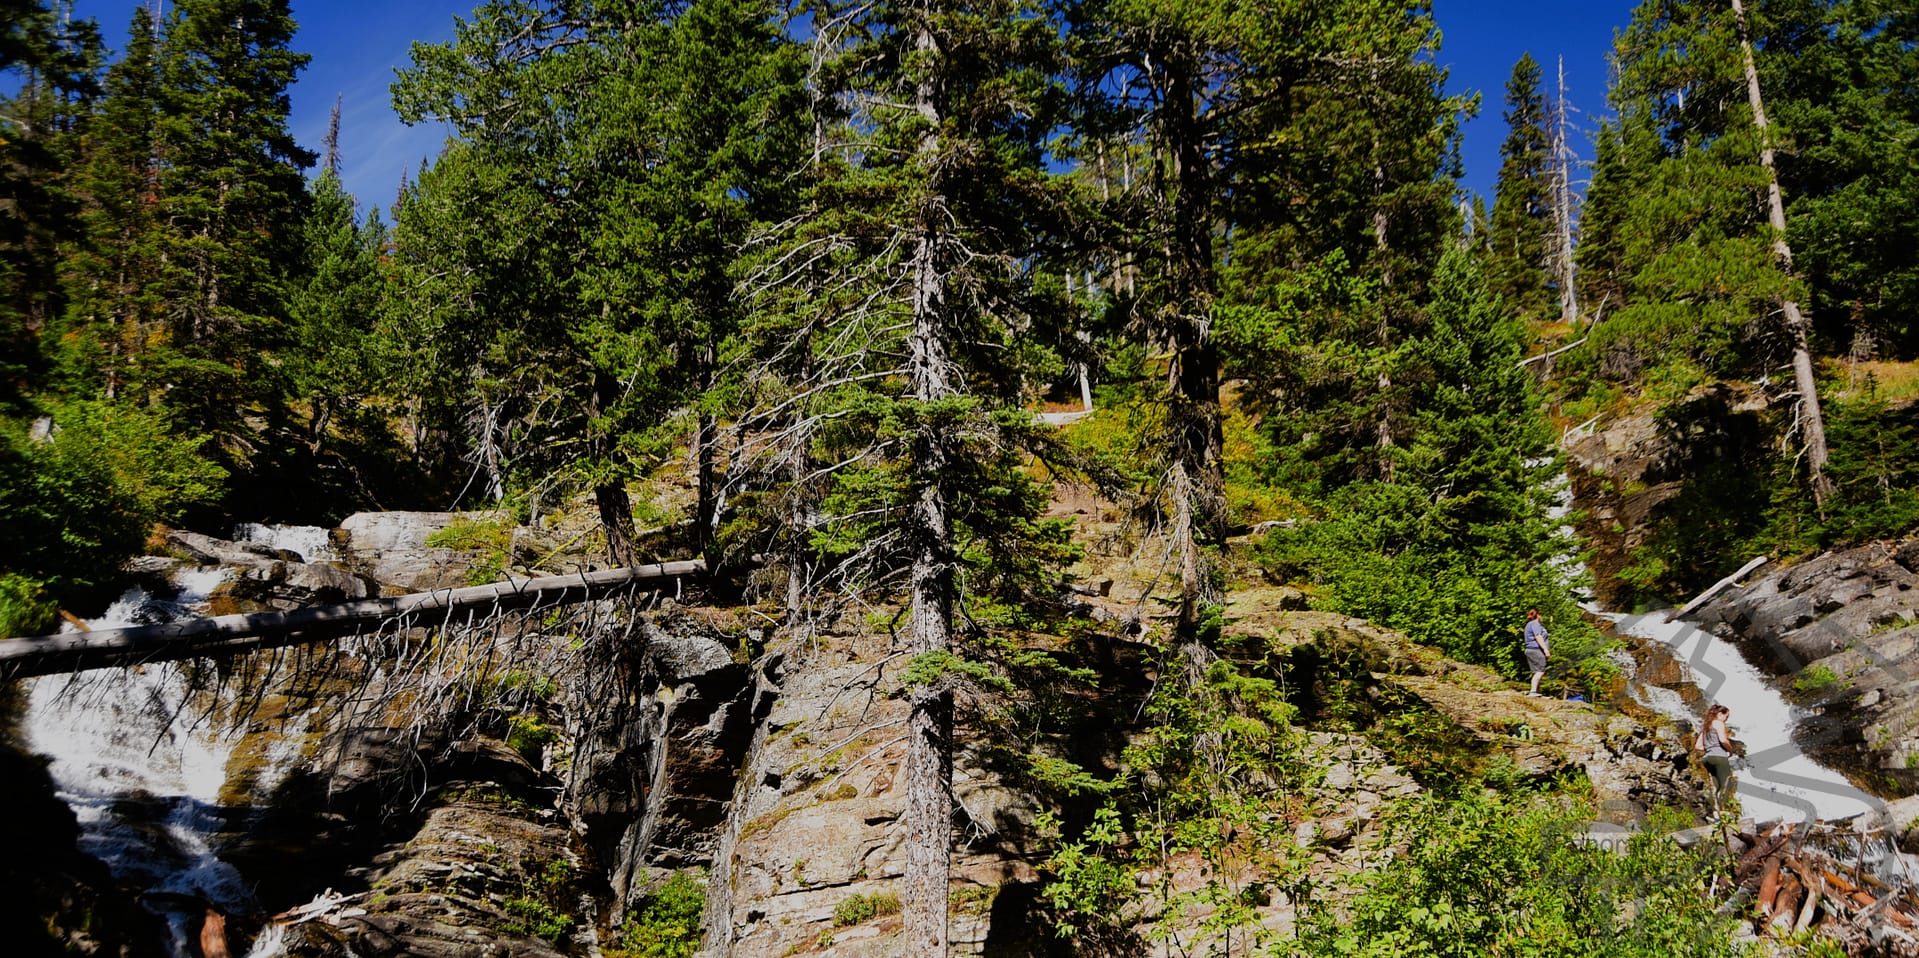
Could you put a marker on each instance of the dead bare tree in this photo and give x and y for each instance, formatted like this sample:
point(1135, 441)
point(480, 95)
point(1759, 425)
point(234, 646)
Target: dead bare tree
point(1812, 421)
point(1562, 160)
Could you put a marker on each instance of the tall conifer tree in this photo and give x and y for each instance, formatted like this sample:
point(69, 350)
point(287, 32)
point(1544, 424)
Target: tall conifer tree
point(926, 214)
point(114, 310)
point(602, 309)
point(50, 64)
point(231, 195)
point(1700, 245)
point(1517, 241)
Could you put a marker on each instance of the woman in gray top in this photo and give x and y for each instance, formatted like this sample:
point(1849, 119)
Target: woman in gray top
point(1715, 749)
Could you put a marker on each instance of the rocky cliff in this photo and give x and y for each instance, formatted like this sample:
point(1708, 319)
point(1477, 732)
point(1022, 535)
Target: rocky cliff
point(547, 802)
point(1841, 631)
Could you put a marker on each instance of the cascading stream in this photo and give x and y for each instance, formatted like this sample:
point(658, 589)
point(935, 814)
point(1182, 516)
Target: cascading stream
point(1776, 779)
point(143, 766)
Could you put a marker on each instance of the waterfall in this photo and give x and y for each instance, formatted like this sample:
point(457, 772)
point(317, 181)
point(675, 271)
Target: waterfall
point(1776, 779)
point(310, 543)
point(142, 759)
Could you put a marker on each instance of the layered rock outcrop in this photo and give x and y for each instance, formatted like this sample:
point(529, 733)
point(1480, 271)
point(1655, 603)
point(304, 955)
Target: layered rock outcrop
point(1842, 632)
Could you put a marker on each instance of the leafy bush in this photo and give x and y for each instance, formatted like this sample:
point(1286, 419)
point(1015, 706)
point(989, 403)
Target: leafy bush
point(1216, 780)
point(530, 916)
point(1387, 553)
point(1482, 875)
point(857, 908)
point(667, 922)
point(25, 607)
point(490, 539)
point(541, 907)
point(79, 502)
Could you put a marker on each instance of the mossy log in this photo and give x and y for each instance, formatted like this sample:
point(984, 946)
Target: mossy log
point(227, 634)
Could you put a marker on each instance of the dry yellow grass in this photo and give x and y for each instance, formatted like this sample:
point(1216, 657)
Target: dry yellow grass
point(1889, 380)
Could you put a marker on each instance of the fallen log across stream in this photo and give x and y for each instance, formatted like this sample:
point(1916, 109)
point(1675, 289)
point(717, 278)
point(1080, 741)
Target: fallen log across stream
point(227, 634)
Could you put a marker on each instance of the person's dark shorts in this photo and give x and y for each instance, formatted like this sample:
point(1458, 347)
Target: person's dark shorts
point(1535, 659)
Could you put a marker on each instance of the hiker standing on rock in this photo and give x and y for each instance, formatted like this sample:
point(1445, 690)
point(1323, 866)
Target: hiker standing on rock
point(1538, 650)
point(1715, 749)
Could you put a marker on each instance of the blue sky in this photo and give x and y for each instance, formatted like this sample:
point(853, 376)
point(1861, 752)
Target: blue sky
point(356, 44)
point(1482, 39)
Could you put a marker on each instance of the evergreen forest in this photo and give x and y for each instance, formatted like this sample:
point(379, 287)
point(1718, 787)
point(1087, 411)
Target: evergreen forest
point(846, 298)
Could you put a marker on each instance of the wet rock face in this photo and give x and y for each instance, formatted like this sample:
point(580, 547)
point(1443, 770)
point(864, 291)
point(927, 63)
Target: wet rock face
point(261, 577)
point(1842, 630)
point(1636, 471)
point(289, 585)
point(653, 774)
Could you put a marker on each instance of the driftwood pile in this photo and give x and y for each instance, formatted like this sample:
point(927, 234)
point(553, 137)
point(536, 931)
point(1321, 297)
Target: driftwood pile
point(1847, 886)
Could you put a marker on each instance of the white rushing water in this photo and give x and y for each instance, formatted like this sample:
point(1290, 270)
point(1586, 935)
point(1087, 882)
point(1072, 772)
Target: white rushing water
point(311, 543)
point(1777, 780)
point(143, 769)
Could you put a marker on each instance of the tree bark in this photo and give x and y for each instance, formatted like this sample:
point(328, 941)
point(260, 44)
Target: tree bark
point(1193, 367)
point(1812, 421)
point(1382, 247)
point(616, 507)
point(929, 759)
point(1563, 266)
point(706, 536)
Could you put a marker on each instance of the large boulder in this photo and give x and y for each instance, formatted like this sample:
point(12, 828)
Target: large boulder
point(393, 548)
point(288, 585)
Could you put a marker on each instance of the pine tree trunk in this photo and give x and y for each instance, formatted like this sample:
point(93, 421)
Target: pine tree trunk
point(1193, 373)
point(1382, 247)
point(1812, 421)
point(616, 517)
point(929, 758)
point(706, 520)
point(616, 507)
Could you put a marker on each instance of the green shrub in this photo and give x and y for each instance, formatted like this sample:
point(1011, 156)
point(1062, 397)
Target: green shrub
point(1813, 679)
point(1482, 875)
point(1381, 552)
point(856, 908)
point(25, 607)
point(527, 735)
point(78, 503)
point(530, 916)
point(540, 909)
point(489, 539)
point(666, 924)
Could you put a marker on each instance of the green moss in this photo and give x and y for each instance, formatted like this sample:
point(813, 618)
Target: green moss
point(490, 541)
point(1814, 679)
point(974, 899)
point(766, 822)
point(533, 917)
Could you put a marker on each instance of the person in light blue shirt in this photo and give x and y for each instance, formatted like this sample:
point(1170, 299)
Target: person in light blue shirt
point(1538, 650)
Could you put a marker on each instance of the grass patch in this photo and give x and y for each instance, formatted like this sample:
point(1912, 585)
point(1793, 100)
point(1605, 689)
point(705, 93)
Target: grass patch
point(856, 909)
